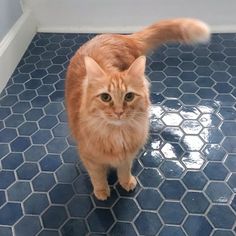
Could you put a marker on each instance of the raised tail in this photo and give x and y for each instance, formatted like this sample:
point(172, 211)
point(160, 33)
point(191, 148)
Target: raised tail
point(184, 30)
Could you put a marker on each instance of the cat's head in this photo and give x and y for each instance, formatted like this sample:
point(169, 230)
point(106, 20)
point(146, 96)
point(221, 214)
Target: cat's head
point(118, 97)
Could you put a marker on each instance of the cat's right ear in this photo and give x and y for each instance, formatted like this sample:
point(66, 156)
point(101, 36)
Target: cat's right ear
point(93, 70)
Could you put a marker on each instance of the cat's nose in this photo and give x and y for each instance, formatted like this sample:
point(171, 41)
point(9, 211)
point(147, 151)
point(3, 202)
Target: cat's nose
point(119, 112)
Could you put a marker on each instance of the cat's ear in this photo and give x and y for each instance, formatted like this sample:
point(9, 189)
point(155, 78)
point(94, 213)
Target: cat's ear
point(137, 68)
point(93, 70)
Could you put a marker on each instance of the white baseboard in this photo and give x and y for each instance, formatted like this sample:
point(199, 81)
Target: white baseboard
point(214, 29)
point(14, 45)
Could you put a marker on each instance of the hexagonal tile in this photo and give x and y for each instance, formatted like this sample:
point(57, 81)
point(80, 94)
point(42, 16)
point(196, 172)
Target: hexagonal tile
point(14, 120)
point(28, 128)
point(154, 197)
point(189, 87)
point(194, 180)
point(188, 76)
point(7, 178)
point(189, 99)
point(30, 153)
point(233, 204)
point(57, 145)
point(172, 82)
point(218, 192)
point(171, 105)
point(196, 202)
point(43, 182)
point(120, 207)
point(61, 193)
point(18, 191)
point(70, 155)
point(154, 142)
point(195, 225)
point(83, 185)
point(172, 150)
point(171, 231)
point(190, 113)
point(50, 162)
point(215, 171)
point(172, 213)
point(228, 128)
point(21, 107)
point(150, 177)
point(54, 217)
point(204, 82)
point(27, 171)
point(77, 226)
point(192, 143)
point(47, 122)
point(12, 161)
point(193, 160)
point(221, 216)
point(148, 223)
point(122, 228)
point(80, 206)
point(229, 144)
point(7, 135)
point(36, 203)
point(172, 93)
point(214, 152)
point(172, 189)
point(209, 120)
point(223, 233)
point(34, 114)
point(151, 158)
point(94, 220)
point(172, 169)
point(172, 134)
point(232, 182)
point(191, 127)
point(6, 216)
point(67, 173)
point(41, 137)
point(2, 198)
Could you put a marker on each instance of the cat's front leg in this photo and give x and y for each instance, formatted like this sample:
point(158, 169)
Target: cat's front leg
point(126, 179)
point(98, 176)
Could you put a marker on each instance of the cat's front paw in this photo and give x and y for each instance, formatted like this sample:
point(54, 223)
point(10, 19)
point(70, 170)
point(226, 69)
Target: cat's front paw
point(102, 194)
point(130, 185)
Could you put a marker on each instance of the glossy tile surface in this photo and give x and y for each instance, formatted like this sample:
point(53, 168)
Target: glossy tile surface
point(186, 172)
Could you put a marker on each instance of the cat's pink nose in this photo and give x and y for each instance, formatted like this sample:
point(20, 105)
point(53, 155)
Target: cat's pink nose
point(119, 112)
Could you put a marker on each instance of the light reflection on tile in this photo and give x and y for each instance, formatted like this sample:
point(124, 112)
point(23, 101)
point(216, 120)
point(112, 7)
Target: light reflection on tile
point(193, 160)
point(191, 127)
point(172, 119)
point(172, 151)
point(192, 143)
point(190, 113)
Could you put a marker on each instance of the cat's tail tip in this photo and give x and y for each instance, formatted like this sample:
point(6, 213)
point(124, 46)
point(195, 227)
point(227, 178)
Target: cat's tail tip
point(195, 31)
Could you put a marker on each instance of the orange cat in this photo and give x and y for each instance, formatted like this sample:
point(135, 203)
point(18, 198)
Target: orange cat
point(107, 97)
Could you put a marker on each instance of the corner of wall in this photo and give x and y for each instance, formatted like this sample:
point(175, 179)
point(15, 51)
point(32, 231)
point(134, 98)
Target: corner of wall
point(14, 45)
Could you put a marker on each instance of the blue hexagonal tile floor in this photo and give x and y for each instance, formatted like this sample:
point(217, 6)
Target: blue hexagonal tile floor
point(186, 173)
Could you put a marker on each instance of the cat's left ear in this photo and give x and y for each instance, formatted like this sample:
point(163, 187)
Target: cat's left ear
point(137, 68)
point(93, 70)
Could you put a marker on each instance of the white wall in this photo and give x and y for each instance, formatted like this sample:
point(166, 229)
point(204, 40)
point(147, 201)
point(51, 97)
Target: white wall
point(10, 11)
point(127, 15)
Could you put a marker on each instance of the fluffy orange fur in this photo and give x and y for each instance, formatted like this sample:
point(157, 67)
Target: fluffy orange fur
point(110, 131)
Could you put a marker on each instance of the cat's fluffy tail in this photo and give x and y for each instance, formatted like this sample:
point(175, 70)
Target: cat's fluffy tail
point(183, 30)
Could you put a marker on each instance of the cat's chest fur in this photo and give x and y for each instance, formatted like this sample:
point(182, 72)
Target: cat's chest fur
point(109, 144)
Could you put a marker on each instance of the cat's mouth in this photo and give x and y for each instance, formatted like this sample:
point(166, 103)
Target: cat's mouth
point(117, 122)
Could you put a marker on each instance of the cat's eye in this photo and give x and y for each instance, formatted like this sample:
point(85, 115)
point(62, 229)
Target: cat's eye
point(129, 97)
point(105, 97)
